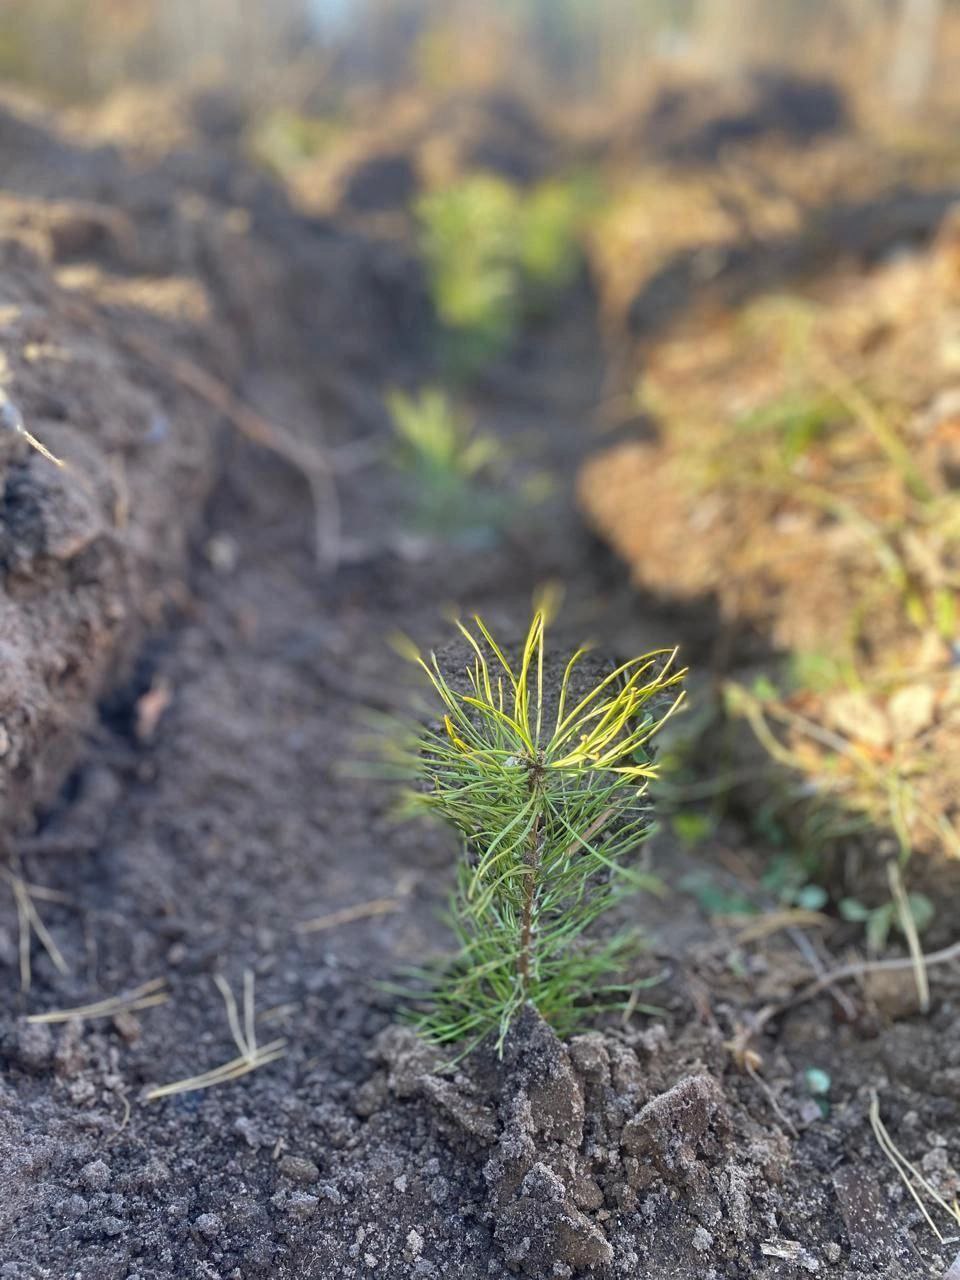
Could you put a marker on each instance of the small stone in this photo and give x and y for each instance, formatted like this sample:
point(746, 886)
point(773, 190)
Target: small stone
point(127, 1027)
point(223, 553)
point(330, 1192)
point(301, 1205)
point(95, 1176)
point(249, 1132)
point(33, 1047)
point(832, 1252)
point(69, 1057)
point(75, 1206)
point(414, 1243)
point(893, 993)
point(369, 1097)
point(590, 1057)
point(702, 1240)
point(153, 1175)
point(298, 1169)
point(400, 1184)
point(111, 1226)
point(81, 1092)
point(209, 1225)
point(810, 1112)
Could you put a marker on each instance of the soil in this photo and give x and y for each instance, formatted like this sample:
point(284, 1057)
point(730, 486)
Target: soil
point(206, 815)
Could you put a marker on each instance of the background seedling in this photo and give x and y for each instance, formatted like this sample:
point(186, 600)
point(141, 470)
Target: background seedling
point(496, 254)
point(546, 787)
point(282, 139)
point(450, 466)
point(878, 921)
point(464, 484)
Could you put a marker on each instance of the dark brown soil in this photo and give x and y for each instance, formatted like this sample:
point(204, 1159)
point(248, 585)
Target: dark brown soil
point(208, 814)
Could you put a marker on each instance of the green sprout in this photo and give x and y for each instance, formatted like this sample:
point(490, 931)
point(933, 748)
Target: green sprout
point(467, 238)
point(549, 800)
point(495, 254)
point(450, 466)
point(464, 484)
point(551, 220)
point(879, 921)
point(283, 140)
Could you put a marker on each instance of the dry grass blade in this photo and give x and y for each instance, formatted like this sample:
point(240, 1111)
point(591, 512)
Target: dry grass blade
point(11, 417)
point(252, 1056)
point(28, 920)
point(911, 1177)
point(347, 915)
point(145, 996)
point(775, 921)
point(909, 927)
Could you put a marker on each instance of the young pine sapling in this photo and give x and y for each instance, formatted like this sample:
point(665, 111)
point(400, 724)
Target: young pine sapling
point(546, 787)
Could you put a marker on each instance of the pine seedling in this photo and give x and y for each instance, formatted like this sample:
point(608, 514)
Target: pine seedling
point(546, 787)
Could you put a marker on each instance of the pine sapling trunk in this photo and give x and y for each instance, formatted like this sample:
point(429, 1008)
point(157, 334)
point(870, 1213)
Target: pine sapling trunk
point(532, 857)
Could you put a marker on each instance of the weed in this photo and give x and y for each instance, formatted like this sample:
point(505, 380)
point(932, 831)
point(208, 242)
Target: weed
point(878, 921)
point(550, 803)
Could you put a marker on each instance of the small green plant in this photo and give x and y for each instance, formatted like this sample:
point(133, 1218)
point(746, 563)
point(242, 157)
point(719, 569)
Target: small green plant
point(879, 921)
point(549, 800)
point(282, 140)
point(467, 238)
point(551, 219)
point(495, 254)
point(450, 466)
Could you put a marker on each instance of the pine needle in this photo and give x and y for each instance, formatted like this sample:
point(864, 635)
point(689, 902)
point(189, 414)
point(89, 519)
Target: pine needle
point(28, 922)
point(12, 418)
point(347, 915)
point(145, 996)
point(251, 1057)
